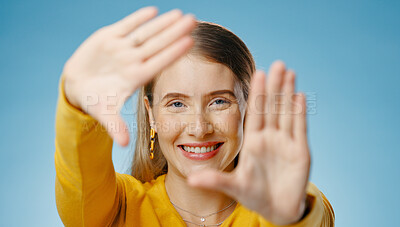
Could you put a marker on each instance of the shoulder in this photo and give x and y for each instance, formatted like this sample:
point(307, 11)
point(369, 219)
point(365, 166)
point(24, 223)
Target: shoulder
point(319, 211)
point(319, 206)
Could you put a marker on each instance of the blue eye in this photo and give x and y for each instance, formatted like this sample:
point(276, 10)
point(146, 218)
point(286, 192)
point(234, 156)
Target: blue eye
point(177, 104)
point(220, 101)
point(176, 107)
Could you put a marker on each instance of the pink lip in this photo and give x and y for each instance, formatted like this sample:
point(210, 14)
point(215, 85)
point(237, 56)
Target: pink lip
point(200, 156)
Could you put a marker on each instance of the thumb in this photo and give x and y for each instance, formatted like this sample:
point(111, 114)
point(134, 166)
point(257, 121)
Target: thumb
point(116, 128)
point(214, 180)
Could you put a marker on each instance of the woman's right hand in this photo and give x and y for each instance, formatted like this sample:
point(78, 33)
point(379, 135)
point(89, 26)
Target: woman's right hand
point(117, 59)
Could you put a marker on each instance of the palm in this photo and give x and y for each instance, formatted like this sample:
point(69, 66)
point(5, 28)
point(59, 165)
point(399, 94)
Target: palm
point(110, 65)
point(274, 162)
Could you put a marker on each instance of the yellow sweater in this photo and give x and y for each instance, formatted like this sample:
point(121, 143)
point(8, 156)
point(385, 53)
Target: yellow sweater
point(90, 193)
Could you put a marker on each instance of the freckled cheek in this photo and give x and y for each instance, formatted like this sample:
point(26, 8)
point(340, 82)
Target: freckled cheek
point(231, 125)
point(168, 128)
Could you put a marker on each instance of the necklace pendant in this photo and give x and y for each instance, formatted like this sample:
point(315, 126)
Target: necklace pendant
point(202, 219)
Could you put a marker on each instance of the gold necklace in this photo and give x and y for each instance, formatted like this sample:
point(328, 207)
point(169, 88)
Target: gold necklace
point(203, 217)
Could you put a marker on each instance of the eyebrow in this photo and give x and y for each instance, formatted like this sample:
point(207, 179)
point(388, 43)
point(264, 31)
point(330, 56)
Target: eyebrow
point(218, 92)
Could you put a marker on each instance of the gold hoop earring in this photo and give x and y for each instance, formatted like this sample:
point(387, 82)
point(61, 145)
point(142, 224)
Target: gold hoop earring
point(152, 140)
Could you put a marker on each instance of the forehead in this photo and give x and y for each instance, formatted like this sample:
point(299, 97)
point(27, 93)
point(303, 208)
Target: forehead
point(194, 76)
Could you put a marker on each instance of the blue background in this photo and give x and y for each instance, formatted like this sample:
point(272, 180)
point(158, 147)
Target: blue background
point(346, 55)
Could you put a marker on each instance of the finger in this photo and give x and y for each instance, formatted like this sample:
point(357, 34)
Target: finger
point(116, 128)
point(214, 180)
point(157, 43)
point(255, 109)
point(167, 56)
point(274, 87)
point(155, 26)
point(300, 119)
point(134, 20)
point(285, 120)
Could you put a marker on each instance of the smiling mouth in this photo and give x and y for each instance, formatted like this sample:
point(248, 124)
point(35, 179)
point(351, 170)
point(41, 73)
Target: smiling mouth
point(199, 150)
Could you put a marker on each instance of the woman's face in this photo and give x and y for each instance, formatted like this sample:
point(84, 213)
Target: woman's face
point(197, 116)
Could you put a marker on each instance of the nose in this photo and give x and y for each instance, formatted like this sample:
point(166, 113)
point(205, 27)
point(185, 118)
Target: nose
point(199, 126)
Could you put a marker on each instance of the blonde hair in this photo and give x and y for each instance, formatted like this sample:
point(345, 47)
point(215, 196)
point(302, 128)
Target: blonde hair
point(216, 44)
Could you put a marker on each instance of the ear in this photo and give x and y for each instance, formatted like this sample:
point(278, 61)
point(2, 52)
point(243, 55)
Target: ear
point(150, 112)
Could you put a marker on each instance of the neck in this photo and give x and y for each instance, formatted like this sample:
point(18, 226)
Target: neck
point(195, 200)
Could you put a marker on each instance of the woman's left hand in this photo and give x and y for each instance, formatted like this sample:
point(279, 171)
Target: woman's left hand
point(273, 169)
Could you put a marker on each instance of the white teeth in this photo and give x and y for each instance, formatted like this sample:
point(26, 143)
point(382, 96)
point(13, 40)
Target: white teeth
point(199, 149)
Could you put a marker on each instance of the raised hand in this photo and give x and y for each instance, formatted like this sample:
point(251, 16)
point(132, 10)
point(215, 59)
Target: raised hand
point(274, 163)
point(117, 59)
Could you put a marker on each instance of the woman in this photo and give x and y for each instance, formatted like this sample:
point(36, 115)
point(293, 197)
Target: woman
point(199, 106)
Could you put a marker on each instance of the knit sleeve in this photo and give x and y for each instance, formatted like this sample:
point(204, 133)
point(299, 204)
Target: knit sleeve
point(87, 192)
